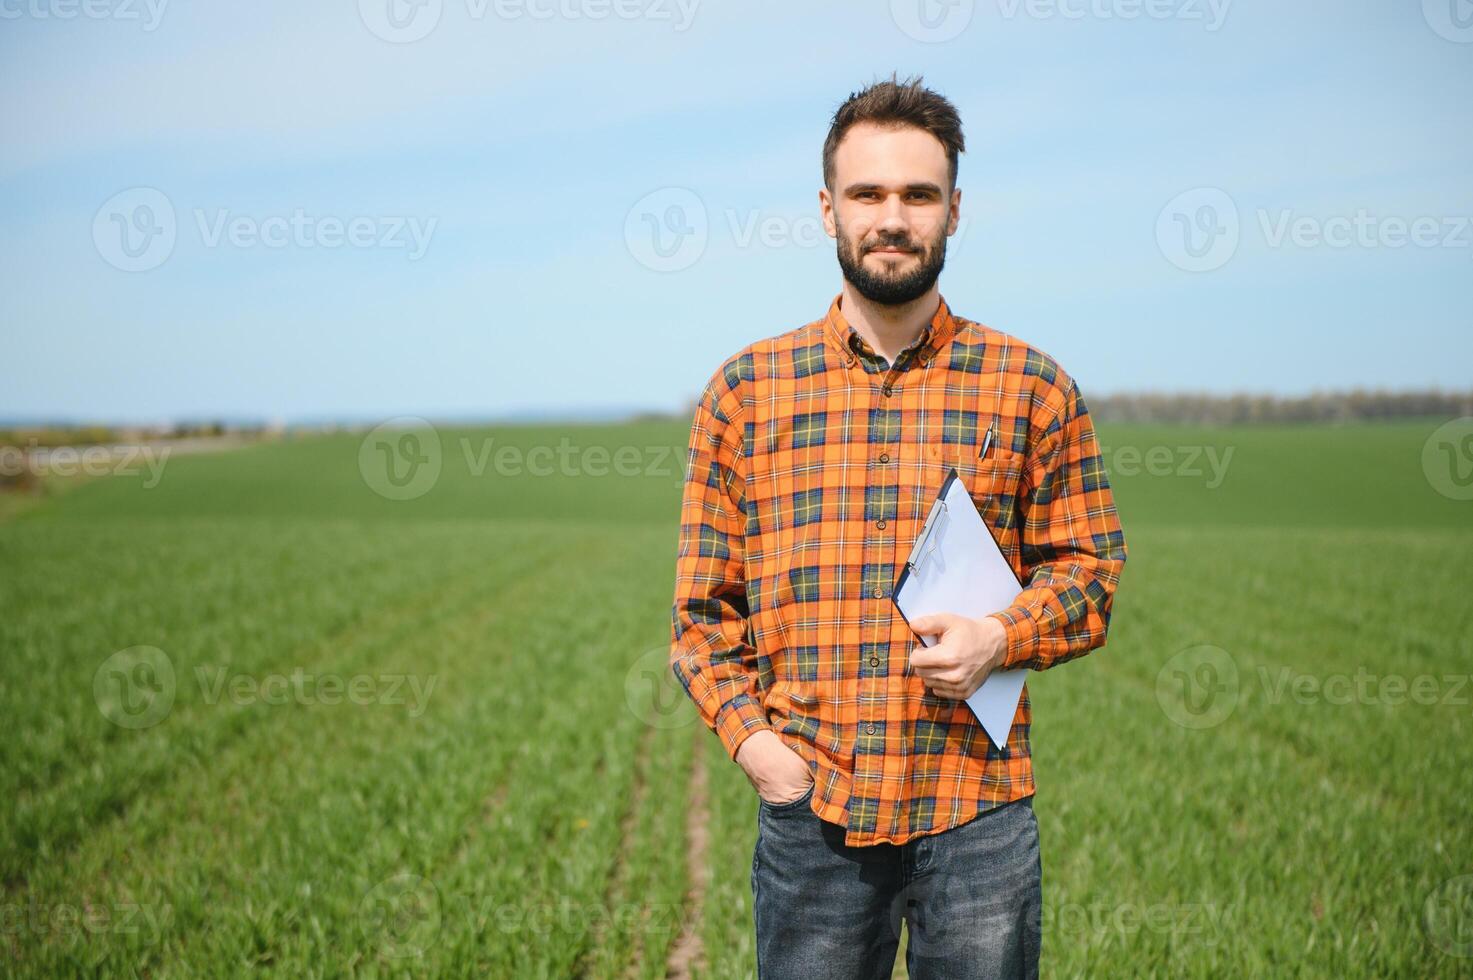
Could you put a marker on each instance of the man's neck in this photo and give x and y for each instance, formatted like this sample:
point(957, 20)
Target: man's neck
point(888, 329)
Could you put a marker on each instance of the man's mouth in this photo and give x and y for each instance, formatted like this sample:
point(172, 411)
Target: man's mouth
point(891, 250)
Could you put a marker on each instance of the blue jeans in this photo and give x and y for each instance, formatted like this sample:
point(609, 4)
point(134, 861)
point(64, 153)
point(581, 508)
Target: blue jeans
point(972, 896)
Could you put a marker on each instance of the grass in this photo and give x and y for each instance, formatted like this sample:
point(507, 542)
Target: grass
point(508, 789)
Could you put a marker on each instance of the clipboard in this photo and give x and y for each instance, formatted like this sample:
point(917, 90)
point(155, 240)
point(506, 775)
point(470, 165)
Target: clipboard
point(955, 566)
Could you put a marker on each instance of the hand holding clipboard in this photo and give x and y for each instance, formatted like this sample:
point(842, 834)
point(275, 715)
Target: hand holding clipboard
point(956, 567)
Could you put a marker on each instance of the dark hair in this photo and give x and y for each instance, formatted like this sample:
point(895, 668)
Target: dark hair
point(897, 103)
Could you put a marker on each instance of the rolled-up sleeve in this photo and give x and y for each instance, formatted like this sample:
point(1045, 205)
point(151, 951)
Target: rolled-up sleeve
point(710, 652)
point(1071, 545)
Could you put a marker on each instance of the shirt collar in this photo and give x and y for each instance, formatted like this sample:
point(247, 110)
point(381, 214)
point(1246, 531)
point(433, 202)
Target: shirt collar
point(837, 330)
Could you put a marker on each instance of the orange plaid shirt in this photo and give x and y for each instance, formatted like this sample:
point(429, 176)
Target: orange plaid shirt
point(811, 466)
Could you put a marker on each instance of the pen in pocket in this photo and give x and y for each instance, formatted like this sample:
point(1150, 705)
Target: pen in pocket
point(986, 443)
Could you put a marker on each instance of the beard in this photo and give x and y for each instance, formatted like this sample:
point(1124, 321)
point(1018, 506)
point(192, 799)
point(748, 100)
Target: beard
point(890, 286)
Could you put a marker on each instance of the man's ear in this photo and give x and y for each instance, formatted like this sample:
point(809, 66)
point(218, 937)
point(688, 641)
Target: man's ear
point(954, 218)
point(826, 211)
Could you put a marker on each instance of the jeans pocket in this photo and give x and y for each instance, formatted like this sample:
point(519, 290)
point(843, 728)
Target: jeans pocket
point(791, 805)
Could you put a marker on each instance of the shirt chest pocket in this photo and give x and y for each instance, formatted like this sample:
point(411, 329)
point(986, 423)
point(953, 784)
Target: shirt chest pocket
point(994, 483)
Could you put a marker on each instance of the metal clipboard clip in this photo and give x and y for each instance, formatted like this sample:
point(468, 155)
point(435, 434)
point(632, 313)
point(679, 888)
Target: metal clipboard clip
point(927, 541)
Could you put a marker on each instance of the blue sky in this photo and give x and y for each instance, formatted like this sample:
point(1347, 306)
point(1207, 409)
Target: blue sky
point(1166, 195)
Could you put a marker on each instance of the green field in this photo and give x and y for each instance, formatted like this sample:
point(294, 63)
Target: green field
point(409, 737)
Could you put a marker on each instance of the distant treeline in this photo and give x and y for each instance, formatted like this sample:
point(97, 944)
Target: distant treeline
point(92, 434)
point(1205, 409)
point(1334, 406)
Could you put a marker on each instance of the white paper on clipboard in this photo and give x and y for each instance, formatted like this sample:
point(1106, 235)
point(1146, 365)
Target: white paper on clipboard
point(957, 567)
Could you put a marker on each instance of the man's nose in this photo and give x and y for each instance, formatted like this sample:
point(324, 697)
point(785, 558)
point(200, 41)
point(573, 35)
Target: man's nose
point(891, 220)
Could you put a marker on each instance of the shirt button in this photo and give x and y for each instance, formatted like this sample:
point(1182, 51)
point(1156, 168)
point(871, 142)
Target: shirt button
point(886, 390)
point(869, 729)
point(879, 593)
point(874, 661)
point(880, 524)
point(884, 457)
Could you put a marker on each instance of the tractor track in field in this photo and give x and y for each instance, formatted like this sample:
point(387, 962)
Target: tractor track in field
point(618, 885)
point(688, 951)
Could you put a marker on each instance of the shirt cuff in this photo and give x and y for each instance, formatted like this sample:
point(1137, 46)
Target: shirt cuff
point(738, 719)
point(1022, 638)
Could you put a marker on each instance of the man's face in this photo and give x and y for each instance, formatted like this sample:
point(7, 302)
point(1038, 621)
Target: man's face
point(890, 211)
